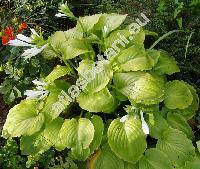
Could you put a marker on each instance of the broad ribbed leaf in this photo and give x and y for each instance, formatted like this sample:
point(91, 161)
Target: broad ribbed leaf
point(136, 58)
point(51, 133)
point(78, 136)
point(177, 146)
point(48, 53)
point(178, 121)
point(23, 119)
point(96, 79)
point(58, 72)
point(98, 133)
point(157, 125)
point(109, 22)
point(193, 164)
point(60, 37)
point(130, 166)
point(34, 144)
point(105, 159)
point(79, 153)
point(118, 34)
point(57, 39)
point(177, 95)
point(101, 101)
point(140, 87)
point(127, 139)
point(189, 112)
point(198, 145)
point(57, 101)
point(87, 22)
point(74, 47)
point(166, 64)
point(155, 159)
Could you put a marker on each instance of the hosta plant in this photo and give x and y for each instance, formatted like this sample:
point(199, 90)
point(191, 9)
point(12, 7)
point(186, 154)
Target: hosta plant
point(117, 111)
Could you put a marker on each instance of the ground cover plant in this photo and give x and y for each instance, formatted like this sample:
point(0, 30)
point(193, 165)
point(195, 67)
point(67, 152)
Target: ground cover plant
point(114, 111)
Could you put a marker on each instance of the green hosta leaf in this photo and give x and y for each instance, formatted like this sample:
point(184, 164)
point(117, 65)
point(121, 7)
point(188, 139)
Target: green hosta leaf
point(48, 53)
point(98, 134)
point(166, 64)
point(33, 145)
point(140, 87)
point(74, 47)
point(192, 164)
point(157, 125)
point(198, 145)
point(23, 119)
point(58, 72)
point(88, 22)
point(178, 121)
point(119, 36)
point(127, 139)
point(79, 153)
point(73, 33)
point(78, 136)
point(60, 37)
point(135, 58)
point(177, 146)
point(51, 133)
point(101, 101)
point(105, 159)
point(109, 22)
point(130, 166)
point(189, 112)
point(57, 101)
point(155, 159)
point(96, 79)
point(177, 95)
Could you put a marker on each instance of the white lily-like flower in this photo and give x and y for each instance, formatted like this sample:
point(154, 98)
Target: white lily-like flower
point(40, 92)
point(124, 118)
point(34, 32)
point(145, 126)
point(60, 15)
point(39, 83)
point(28, 53)
point(22, 40)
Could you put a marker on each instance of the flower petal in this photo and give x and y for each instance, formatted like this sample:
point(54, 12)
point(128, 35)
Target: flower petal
point(28, 53)
point(35, 94)
point(60, 15)
point(145, 127)
point(124, 118)
point(18, 42)
point(34, 32)
point(24, 38)
point(39, 83)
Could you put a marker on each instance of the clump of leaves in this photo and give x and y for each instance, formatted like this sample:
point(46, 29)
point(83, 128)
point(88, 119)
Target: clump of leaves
point(9, 156)
point(108, 129)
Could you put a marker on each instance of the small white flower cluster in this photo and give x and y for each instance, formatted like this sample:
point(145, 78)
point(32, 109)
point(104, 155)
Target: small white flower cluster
point(40, 92)
point(27, 42)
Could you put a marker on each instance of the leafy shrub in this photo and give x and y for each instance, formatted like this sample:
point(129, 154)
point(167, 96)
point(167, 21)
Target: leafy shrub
point(9, 156)
point(106, 119)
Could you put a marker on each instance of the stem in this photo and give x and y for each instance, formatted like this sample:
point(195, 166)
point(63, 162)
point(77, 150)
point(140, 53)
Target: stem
point(60, 57)
point(81, 114)
point(188, 41)
point(84, 35)
point(163, 37)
